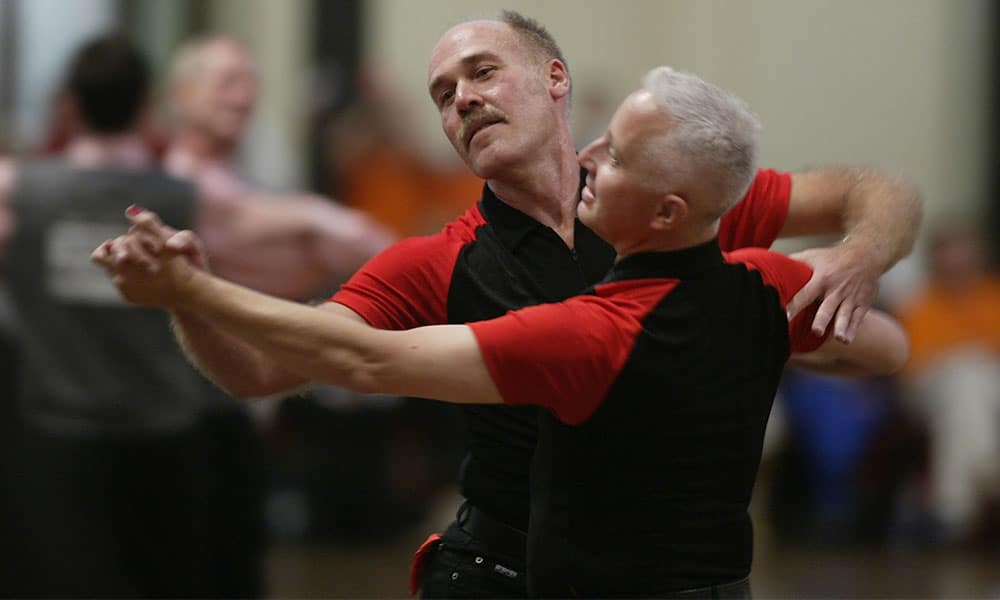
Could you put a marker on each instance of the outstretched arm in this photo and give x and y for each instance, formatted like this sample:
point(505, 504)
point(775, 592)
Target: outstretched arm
point(879, 216)
point(441, 362)
point(294, 247)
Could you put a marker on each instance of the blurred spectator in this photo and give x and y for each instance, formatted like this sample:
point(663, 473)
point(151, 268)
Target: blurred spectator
point(953, 376)
point(380, 169)
point(115, 483)
point(63, 126)
point(212, 93)
point(819, 496)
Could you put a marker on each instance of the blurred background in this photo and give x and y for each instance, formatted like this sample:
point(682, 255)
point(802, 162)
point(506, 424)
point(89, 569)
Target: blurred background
point(886, 487)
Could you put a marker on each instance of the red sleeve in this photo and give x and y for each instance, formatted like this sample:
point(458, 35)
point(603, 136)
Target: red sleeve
point(757, 219)
point(565, 356)
point(787, 276)
point(406, 285)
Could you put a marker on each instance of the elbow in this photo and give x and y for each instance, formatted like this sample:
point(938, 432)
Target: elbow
point(362, 374)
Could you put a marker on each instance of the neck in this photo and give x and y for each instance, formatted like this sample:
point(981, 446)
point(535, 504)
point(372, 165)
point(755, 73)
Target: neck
point(674, 240)
point(92, 149)
point(547, 190)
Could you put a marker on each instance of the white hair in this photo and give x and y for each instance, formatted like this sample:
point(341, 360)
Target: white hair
point(189, 59)
point(712, 134)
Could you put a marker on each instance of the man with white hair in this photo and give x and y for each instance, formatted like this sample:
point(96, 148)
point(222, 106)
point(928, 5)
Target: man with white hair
point(212, 94)
point(658, 381)
point(502, 89)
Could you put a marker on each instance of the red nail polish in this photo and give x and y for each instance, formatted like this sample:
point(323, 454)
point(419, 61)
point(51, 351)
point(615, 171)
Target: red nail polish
point(133, 210)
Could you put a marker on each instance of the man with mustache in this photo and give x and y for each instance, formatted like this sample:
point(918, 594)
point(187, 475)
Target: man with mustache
point(657, 381)
point(502, 88)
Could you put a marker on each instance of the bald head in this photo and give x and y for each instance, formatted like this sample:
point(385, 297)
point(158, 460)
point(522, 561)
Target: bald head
point(213, 88)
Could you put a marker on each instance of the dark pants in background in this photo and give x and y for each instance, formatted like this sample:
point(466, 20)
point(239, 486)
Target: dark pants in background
point(174, 515)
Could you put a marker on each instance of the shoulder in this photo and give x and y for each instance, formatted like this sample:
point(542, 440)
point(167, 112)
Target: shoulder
point(785, 274)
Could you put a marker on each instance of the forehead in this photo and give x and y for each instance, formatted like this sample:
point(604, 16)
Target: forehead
point(471, 39)
point(226, 57)
point(637, 120)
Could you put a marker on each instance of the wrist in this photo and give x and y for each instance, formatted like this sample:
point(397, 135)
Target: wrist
point(191, 292)
point(861, 248)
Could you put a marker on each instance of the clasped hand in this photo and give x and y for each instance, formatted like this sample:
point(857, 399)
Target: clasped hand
point(153, 264)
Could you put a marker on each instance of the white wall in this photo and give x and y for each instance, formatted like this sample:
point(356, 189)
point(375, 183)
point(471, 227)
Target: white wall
point(279, 34)
point(899, 84)
point(48, 32)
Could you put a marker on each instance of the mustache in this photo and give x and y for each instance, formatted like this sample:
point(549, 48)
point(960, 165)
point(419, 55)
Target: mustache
point(473, 121)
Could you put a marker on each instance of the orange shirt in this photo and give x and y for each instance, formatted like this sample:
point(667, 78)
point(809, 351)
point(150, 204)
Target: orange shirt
point(940, 320)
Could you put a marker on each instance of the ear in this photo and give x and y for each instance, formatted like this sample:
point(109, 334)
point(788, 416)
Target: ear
point(671, 211)
point(558, 79)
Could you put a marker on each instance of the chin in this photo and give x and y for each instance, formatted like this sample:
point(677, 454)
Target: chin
point(490, 165)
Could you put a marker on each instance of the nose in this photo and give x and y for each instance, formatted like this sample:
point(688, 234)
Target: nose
point(586, 156)
point(467, 97)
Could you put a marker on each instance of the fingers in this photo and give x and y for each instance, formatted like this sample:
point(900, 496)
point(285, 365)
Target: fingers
point(855, 324)
point(101, 256)
point(825, 314)
point(806, 296)
point(187, 243)
point(844, 314)
point(147, 221)
point(129, 250)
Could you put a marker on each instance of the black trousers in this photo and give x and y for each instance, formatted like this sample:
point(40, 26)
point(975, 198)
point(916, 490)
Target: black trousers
point(476, 558)
point(165, 516)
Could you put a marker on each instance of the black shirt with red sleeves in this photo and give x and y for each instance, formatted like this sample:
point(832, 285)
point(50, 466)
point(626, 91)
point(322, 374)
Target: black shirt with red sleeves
point(494, 259)
point(658, 385)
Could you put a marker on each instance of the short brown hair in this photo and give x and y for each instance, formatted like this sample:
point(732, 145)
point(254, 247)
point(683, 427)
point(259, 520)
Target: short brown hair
point(535, 34)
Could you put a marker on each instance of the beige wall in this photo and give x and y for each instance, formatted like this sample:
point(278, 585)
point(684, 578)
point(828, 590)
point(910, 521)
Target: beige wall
point(900, 84)
point(278, 32)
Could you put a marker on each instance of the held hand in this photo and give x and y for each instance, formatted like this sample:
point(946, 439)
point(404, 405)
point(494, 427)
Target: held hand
point(846, 281)
point(152, 263)
point(164, 286)
point(147, 224)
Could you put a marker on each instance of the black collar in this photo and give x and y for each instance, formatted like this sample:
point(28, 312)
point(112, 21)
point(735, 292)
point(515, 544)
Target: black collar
point(510, 224)
point(676, 264)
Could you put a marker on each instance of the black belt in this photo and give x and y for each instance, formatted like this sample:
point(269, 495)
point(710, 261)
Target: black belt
point(495, 535)
point(735, 590)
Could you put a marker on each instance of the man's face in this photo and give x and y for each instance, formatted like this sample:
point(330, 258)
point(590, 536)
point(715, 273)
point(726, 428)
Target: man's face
point(493, 97)
point(219, 97)
point(619, 202)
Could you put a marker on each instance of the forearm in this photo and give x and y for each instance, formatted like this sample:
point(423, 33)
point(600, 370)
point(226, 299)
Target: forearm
point(284, 338)
point(880, 348)
point(233, 364)
point(881, 216)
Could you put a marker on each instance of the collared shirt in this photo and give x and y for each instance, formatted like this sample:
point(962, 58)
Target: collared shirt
point(494, 259)
point(656, 387)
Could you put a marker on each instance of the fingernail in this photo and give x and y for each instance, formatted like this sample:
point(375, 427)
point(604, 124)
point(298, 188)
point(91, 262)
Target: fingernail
point(133, 210)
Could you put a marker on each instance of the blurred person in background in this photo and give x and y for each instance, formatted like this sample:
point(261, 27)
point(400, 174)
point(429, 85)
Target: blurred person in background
point(212, 92)
point(953, 377)
point(502, 89)
point(116, 486)
point(379, 168)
